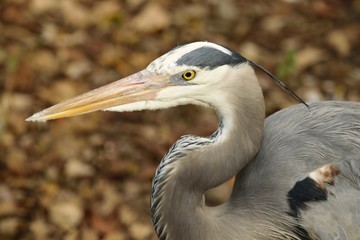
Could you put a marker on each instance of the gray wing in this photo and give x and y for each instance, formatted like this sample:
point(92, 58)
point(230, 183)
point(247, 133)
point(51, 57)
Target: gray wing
point(297, 141)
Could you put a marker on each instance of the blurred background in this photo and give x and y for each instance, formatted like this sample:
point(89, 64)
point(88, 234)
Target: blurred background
point(89, 177)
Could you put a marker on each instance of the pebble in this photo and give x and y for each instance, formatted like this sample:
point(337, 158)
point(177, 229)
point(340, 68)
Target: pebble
point(127, 215)
point(75, 13)
point(308, 57)
point(39, 229)
point(77, 69)
point(153, 18)
point(139, 231)
point(75, 168)
point(66, 215)
point(339, 41)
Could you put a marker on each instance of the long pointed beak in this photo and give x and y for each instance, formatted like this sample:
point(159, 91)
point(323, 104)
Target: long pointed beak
point(141, 86)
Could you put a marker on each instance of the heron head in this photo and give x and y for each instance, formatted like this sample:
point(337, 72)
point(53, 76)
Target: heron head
point(188, 74)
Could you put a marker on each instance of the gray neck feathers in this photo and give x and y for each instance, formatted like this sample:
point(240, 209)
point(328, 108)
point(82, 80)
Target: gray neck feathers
point(196, 164)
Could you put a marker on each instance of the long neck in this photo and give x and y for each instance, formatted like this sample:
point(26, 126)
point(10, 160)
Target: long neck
point(194, 164)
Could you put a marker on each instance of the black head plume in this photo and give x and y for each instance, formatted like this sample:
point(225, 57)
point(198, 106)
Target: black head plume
point(280, 83)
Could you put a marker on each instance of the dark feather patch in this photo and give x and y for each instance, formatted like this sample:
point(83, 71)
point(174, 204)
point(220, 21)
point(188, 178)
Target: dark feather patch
point(208, 57)
point(304, 191)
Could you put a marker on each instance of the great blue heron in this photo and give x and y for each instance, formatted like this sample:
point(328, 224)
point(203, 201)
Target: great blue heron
point(281, 165)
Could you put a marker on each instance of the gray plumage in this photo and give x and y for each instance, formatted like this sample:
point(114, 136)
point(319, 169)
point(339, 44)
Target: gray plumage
point(295, 142)
point(282, 164)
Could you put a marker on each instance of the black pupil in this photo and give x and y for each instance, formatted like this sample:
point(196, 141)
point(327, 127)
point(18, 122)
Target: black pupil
point(188, 74)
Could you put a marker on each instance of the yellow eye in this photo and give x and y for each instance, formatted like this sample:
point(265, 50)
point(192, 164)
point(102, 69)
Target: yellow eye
point(188, 75)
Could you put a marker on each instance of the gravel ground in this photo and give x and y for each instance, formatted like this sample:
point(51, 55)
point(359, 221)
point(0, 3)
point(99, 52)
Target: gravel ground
point(89, 177)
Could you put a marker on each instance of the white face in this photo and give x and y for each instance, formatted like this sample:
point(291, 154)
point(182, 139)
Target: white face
point(211, 64)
